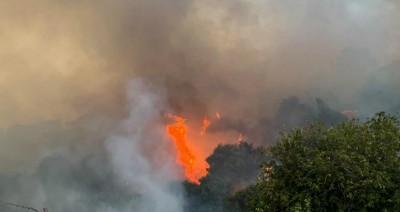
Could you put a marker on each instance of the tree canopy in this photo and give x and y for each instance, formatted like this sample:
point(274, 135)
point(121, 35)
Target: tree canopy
point(232, 168)
point(351, 167)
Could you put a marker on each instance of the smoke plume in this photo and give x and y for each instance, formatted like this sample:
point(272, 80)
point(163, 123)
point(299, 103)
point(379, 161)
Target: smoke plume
point(134, 169)
point(260, 64)
point(61, 60)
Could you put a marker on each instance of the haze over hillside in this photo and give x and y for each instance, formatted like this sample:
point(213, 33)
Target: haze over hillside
point(83, 82)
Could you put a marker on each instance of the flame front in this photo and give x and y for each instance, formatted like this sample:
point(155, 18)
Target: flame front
point(178, 132)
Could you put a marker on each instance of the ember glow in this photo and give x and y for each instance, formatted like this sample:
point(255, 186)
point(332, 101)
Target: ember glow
point(206, 123)
point(178, 132)
point(240, 138)
point(217, 115)
point(349, 113)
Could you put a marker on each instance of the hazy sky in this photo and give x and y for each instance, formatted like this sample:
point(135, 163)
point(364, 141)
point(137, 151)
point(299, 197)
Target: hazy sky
point(63, 59)
point(69, 121)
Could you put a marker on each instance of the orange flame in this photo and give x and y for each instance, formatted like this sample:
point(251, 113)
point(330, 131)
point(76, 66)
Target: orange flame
point(206, 123)
point(178, 132)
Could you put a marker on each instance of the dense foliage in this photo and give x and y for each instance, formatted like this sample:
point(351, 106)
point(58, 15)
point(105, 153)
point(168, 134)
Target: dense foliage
point(352, 167)
point(232, 168)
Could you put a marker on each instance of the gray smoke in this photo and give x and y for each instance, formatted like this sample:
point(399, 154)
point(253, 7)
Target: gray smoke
point(238, 57)
point(135, 169)
point(64, 67)
point(142, 156)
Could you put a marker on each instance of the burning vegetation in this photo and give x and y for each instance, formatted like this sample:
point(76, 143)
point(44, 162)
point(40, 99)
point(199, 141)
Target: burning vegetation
point(178, 132)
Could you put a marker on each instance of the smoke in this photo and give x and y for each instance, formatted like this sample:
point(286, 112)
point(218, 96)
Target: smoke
point(143, 132)
point(245, 54)
point(134, 169)
point(64, 65)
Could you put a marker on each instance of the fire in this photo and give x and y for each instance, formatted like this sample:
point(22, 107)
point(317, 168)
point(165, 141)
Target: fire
point(267, 171)
point(178, 132)
point(206, 123)
point(217, 115)
point(240, 138)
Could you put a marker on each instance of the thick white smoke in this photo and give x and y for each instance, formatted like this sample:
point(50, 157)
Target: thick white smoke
point(141, 154)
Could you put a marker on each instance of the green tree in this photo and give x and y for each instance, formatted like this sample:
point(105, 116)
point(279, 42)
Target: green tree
point(352, 167)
